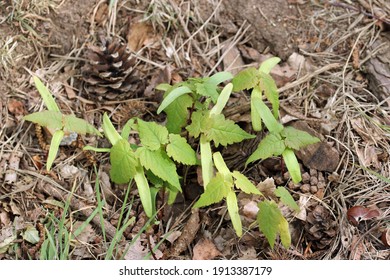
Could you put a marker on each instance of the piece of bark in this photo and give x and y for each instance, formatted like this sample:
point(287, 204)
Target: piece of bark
point(320, 156)
point(378, 67)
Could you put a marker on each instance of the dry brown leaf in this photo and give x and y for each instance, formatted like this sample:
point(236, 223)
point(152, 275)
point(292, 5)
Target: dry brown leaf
point(232, 61)
point(267, 187)
point(248, 254)
point(250, 210)
point(205, 250)
point(14, 160)
point(139, 34)
point(385, 238)
point(16, 107)
point(356, 214)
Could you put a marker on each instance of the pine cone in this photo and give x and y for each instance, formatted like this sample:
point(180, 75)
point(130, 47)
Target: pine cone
point(109, 74)
point(320, 227)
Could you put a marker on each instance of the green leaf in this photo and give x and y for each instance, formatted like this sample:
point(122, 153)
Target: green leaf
point(232, 205)
point(54, 147)
point(271, 222)
point(267, 65)
point(206, 160)
point(31, 235)
point(109, 130)
point(49, 119)
point(163, 87)
point(286, 198)
point(127, 128)
point(243, 183)
point(292, 165)
point(72, 123)
point(160, 164)
point(246, 79)
point(199, 122)
point(222, 100)
point(220, 77)
point(144, 191)
point(46, 95)
point(296, 139)
point(216, 190)
point(255, 114)
point(208, 90)
point(152, 135)
point(180, 150)
point(221, 167)
point(267, 84)
point(177, 113)
point(270, 145)
point(123, 162)
point(175, 93)
point(266, 115)
point(224, 132)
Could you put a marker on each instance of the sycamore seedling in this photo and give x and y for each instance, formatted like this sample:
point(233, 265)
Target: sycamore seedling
point(280, 140)
point(154, 161)
point(58, 124)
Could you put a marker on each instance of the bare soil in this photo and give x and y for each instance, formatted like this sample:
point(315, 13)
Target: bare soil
point(334, 82)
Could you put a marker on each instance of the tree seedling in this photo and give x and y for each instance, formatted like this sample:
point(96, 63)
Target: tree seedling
point(280, 140)
point(58, 124)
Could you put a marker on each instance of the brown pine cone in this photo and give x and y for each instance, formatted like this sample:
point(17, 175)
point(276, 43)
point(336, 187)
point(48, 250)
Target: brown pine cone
point(321, 228)
point(109, 72)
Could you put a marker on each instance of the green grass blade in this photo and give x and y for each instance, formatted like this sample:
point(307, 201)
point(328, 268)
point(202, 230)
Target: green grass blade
point(144, 191)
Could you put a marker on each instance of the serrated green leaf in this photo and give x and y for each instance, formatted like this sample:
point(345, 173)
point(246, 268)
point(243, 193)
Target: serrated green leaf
point(267, 84)
point(266, 115)
point(177, 113)
point(216, 190)
point(224, 132)
point(292, 165)
point(46, 95)
point(270, 145)
point(172, 96)
point(199, 123)
point(49, 119)
point(286, 198)
point(255, 114)
point(267, 65)
point(72, 123)
point(220, 77)
point(232, 205)
point(123, 162)
point(31, 235)
point(144, 191)
point(160, 164)
point(297, 139)
point(208, 90)
point(109, 130)
point(243, 183)
point(246, 79)
point(271, 222)
point(54, 147)
point(180, 150)
point(152, 135)
point(222, 100)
